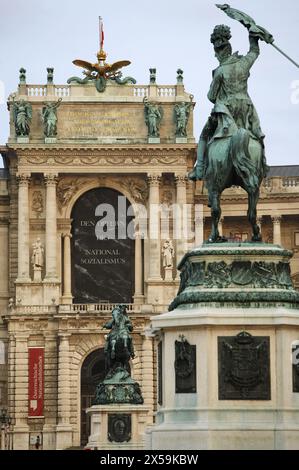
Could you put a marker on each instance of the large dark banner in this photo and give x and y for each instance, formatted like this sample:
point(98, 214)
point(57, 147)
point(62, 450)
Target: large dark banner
point(102, 252)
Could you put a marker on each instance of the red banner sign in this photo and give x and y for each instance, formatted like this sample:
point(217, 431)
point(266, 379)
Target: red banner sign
point(36, 381)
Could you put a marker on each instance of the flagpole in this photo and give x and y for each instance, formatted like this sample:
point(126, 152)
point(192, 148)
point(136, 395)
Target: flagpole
point(284, 54)
point(101, 32)
point(100, 18)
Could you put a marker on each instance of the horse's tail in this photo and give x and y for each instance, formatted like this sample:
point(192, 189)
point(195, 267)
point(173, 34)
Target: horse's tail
point(241, 160)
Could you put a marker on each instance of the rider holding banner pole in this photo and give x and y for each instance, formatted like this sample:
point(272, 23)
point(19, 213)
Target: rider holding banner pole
point(121, 327)
point(229, 94)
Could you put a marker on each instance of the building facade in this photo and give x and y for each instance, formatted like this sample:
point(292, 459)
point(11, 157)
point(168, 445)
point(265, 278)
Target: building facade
point(60, 276)
point(63, 269)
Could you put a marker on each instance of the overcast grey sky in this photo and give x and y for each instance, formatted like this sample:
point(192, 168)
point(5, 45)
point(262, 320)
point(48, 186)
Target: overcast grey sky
point(165, 34)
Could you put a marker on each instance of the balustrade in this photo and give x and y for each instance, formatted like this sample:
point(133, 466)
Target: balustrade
point(62, 91)
point(166, 91)
point(36, 90)
point(140, 91)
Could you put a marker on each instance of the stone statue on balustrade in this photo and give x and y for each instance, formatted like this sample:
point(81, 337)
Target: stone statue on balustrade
point(118, 386)
point(50, 118)
point(22, 116)
point(181, 117)
point(37, 259)
point(153, 114)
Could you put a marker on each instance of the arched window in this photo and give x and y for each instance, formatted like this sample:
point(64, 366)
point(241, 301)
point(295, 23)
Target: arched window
point(103, 252)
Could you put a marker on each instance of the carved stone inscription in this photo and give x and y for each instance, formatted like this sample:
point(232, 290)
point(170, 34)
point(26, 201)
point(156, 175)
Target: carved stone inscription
point(244, 367)
point(185, 366)
point(100, 121)
point(102, 252)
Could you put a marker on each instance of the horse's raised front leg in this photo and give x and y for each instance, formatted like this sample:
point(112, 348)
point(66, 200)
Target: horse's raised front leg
point(214, 200)
point(253, 197)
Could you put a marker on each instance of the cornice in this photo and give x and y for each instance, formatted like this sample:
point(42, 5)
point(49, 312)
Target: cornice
point(270, 198)
point(59, 160)
point(67, 147)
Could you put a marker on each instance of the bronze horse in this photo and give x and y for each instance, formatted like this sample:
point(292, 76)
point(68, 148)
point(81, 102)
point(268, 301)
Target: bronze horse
point(231, 145)
point(119, 344)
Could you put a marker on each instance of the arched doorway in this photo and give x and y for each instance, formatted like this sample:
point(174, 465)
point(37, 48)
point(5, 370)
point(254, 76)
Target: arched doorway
point(92, 372)
point(103, 248)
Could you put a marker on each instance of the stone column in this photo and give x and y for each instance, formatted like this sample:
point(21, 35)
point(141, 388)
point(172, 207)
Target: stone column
point(180, 218)
point(276, 220)
point(11, 362)
point(154, 228)
point(64, 436)
point(23, 228)
point(198, 225)
point(67, 288)
point(220, 226)
point(21, 392)
point(4, 236)
point(199, 222)
point(50, 383)
point(138, 296)
point(147, 372)
point(64, 389)
point(51, 228)
point(259, 221)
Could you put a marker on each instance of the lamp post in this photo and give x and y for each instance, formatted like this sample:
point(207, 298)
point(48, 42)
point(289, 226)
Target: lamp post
point(5, 421)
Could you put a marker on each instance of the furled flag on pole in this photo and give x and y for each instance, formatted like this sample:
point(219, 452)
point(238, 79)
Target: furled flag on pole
point(101, 33)
point(247, 21)
point(252, 27)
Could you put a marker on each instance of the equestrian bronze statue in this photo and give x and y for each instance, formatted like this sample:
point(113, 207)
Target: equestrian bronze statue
point(119, 345)
point(231, 148)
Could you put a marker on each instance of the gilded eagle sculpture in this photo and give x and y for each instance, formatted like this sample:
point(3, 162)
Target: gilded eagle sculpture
point(100, 72)
point(102, 69)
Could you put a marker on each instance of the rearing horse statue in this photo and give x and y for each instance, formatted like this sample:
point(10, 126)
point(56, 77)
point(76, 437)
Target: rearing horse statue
point(231, 146)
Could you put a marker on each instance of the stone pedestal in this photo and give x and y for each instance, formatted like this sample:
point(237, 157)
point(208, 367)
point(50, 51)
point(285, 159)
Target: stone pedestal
point(116, 426)
point(23, 140)
point(225, 367)
point(168, 273)
point(37, 274)
point(50, 140)
point(181, 140)
point(154, 140)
